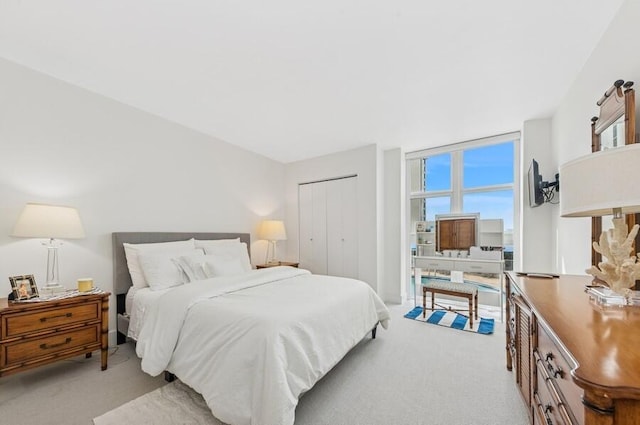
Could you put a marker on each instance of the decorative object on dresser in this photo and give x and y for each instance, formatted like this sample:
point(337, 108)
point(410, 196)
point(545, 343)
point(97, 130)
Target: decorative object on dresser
point(596, 185)
point(278, 263)
point(52, 222)
point(23, 287)
point(272, 231)
point(574, 362)
point(85, 284)
point(33, 334)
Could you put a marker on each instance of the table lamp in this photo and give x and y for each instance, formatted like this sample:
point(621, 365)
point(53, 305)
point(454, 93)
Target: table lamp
point(603, 183)
point(272, 231)
point(52, 222)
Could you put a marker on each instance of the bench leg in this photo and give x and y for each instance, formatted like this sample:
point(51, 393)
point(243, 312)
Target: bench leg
point(424, 302)
point(476, 310)
point(471, 311)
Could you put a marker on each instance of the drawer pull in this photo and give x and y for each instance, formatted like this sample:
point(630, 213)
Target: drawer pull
point(47, 347)
point(548, 409)
point(543, 410)
point(44, 319)
point(556, 371)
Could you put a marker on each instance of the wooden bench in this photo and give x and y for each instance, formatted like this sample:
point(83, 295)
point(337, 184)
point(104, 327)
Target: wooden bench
point(465, 290)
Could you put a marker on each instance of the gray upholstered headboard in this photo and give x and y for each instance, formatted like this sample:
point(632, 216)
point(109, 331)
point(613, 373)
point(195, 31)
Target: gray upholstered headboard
point(121, 277)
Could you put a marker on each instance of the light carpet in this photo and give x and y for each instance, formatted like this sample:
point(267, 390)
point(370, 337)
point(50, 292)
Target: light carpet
point(175, 403)
point(453, 320)
point(411, 374)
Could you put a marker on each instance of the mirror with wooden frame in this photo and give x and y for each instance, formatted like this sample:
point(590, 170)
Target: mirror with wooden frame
point(615, 126)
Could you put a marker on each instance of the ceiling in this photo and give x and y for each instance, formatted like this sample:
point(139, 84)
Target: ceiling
point(293, 79)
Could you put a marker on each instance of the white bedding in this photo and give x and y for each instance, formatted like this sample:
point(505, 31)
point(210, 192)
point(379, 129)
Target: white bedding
point(252, 344)
point(137, 302)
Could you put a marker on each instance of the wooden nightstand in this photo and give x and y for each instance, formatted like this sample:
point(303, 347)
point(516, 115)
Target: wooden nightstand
point(279, 263)
point(38, 333)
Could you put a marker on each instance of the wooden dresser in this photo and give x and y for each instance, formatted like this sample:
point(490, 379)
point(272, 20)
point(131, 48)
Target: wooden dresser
point(37, 333)
point(574, 362)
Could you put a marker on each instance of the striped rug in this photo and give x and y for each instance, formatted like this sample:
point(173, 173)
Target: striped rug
point(451, 319)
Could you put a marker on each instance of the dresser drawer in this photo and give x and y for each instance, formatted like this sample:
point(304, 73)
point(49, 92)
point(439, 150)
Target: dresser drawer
point(18, 324)
point(26, 350)
point(557, 368)
point(547, 411)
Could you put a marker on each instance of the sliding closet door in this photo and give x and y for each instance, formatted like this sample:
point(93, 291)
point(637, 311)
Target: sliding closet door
point(312, 204)
point(342, 227)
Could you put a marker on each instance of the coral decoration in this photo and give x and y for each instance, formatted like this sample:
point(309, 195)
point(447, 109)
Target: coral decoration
point(620, 270)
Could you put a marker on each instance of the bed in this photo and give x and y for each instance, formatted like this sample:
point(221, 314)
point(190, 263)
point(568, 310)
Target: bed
point(252, 342)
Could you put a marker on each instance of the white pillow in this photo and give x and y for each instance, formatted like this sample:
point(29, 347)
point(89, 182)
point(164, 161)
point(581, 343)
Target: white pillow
point(191, 266)
point(215, 242)
point(131, 252)
point(223, 265)
point(229, 250)
point(160, 271)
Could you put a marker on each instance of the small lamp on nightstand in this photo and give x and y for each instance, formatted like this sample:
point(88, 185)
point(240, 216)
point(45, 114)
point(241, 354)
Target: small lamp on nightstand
point(272, 231)
point(51, 222)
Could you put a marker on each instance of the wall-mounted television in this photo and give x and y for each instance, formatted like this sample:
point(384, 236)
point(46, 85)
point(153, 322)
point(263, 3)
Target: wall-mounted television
point(536, 194)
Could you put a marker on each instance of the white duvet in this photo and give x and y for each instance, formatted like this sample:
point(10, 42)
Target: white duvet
point(252, 344)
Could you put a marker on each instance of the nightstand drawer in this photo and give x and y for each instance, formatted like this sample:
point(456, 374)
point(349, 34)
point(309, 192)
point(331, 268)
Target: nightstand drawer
point(29, 322)
point(34, 348)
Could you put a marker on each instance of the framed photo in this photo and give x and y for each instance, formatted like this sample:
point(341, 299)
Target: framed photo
point(23, 287)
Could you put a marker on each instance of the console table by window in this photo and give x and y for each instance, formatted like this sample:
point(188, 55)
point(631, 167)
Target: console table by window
point(468, 265)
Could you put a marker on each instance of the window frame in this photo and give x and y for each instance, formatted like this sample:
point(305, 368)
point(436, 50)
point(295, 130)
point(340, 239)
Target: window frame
point(457, 191)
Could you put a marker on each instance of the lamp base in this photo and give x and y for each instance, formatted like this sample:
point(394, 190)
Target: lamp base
point(52, 288)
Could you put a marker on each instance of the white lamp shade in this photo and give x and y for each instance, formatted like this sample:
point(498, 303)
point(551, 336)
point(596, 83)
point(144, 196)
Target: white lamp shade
point(49, 221)
point(272, 230)
point(595, 184)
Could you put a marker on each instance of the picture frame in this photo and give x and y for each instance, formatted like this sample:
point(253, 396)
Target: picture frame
point(23, 287)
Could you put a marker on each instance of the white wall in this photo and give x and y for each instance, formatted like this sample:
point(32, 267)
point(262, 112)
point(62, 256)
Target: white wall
point(364, 163)
point(396, 251)
point(613, 58)
point(125, 170)
point(536, 230)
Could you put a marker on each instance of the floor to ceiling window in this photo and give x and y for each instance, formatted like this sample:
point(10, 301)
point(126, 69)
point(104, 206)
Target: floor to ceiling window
point(476, 177)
